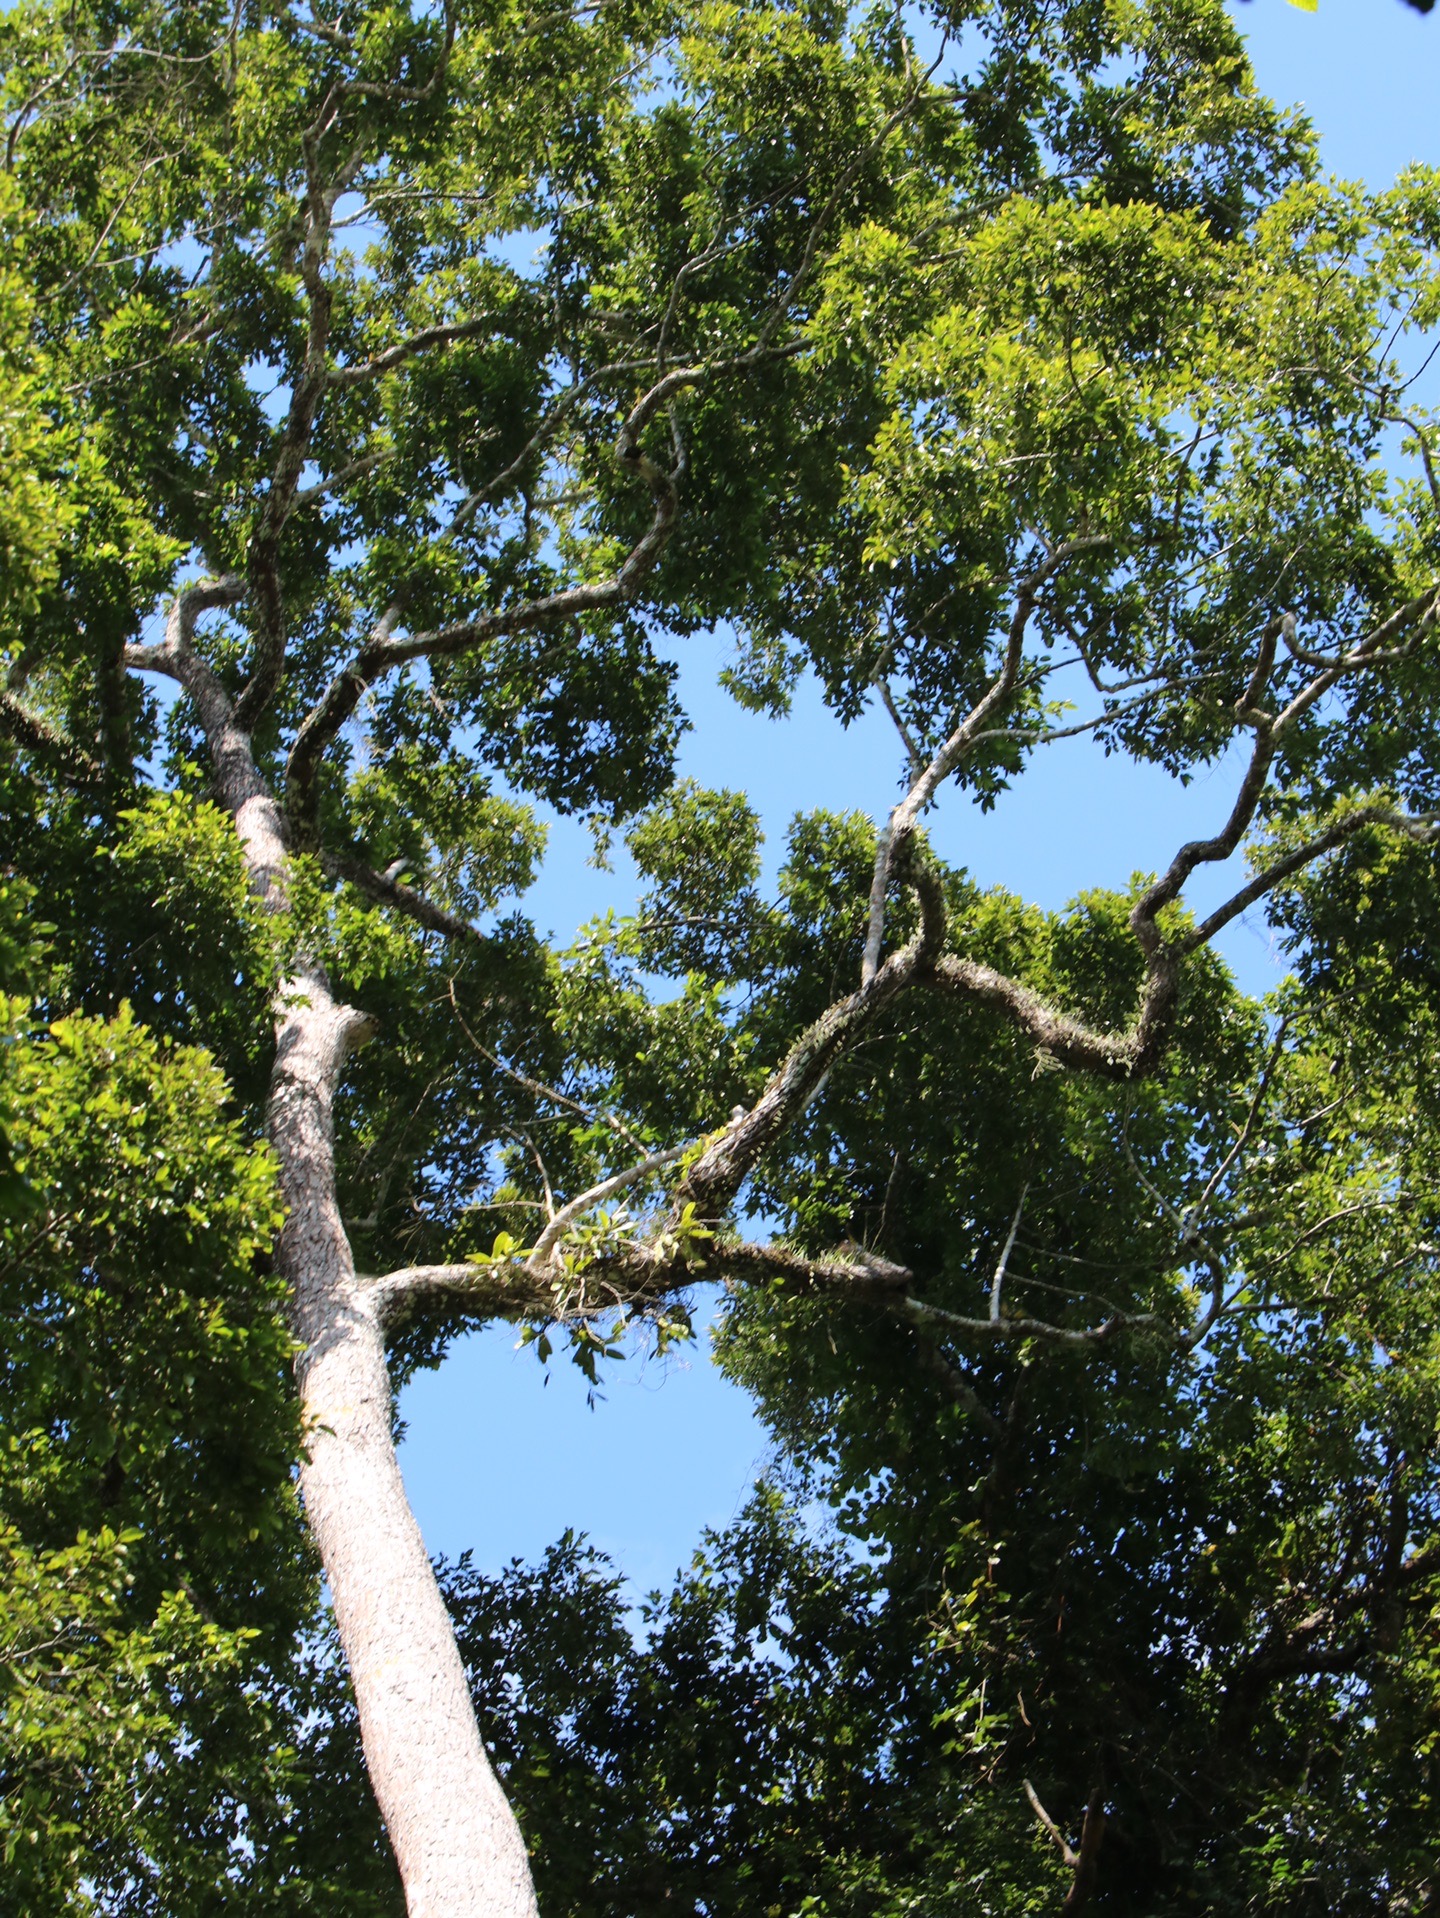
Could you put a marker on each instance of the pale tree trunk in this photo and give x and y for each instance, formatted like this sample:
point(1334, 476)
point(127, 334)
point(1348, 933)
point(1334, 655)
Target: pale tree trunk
point(456, 1842)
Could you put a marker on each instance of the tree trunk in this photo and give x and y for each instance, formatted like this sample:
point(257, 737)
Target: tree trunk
point(456, 1842)
point(458, 1846)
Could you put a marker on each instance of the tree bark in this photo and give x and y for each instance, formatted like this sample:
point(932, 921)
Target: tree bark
point(455, 1838)
point(456, 1841)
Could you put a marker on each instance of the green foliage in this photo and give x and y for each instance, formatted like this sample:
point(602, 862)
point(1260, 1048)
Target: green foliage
point(1091, 291)
point(154, 1575)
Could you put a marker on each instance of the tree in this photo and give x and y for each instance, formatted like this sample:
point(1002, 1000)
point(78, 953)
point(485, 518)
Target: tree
point(155, 1580)
point(929, 385)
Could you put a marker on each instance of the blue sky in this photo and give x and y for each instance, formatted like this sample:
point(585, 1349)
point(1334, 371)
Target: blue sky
point(502, 1455)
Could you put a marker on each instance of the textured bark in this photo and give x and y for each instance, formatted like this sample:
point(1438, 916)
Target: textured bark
point(456, 1841)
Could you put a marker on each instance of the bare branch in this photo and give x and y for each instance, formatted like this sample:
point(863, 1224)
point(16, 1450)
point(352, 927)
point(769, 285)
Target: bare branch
point(1004, 1259)
point(1070, 1857)
point(921, 1312)
point(307, 495)
point(539, 1089)
point(1423, 827)
point(913, 754)
point(392, 356)
point(383, 651)
point(1368, 653)
point(263, 566)
point(392, 892)
point(1198, 852)
point(606, 1189)
point(1126, 1055)
point(931, 777)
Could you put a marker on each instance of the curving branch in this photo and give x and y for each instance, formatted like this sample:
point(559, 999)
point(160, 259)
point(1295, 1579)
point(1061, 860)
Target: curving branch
point(931, 776)
point(1422, 827)
point(393, 356)
point(1125, 1055)
point(1111, 1055)
point(1419, 612)
point(383, 651)
point(73, 765)
point(551, 1238)
point(713, 1181)
point(1021, 1326)
point(393, 892)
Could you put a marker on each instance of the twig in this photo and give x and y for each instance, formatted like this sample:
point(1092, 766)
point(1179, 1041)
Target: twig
point(1004, 1259)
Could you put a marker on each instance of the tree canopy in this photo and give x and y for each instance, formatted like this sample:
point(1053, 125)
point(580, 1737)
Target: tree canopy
point(392, 392)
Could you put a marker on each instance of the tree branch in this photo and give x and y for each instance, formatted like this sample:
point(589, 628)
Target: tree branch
point(631, 1274)
point(921, 1312)
point(391, 892)
point(1112, 1055)
point(930, 777)
point(391, 356)
point(717, 1176)
point(382, 652)
point(1059, 1838)
point(1420, 826)
point(73, 765)
point(263, 564)
point(1086, 1865)
point(957, 1386)
point(555, 1231)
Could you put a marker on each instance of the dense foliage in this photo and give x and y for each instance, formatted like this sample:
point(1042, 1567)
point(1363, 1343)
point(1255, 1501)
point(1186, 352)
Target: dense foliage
point(477, 358)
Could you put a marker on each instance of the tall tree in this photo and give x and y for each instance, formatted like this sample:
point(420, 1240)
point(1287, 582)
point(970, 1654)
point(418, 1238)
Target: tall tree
point(407, 374)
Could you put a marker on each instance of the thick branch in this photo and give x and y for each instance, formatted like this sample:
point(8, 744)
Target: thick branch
point(238, 784)
point(392, 892)
point(1057, 1837)
point(626, 1276)
point(1113, 1055)
point(1125, 1055)
point(1091, 1834)
point(1198, 852)
point(717, 1176)
point(72, 763)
